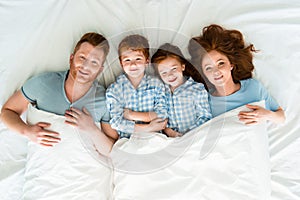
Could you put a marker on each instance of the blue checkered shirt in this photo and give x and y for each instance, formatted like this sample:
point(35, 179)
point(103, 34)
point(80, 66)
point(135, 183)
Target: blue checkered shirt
point(149, 96)
point(188, 106)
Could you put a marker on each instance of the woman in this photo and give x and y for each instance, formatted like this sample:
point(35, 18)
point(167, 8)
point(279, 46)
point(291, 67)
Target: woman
point(226, 65)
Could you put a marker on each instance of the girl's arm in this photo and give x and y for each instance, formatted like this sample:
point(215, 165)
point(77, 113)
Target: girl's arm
point(171, 133)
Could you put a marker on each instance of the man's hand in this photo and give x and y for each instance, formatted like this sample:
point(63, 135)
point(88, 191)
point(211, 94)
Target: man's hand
point(80, 119)
point(38, 134)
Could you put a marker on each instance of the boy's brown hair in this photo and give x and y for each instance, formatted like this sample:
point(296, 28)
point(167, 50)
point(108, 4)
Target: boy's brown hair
point(134, 43)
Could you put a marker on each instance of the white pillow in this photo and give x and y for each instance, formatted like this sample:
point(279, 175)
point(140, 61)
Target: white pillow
point(67, 170)
point(222, 159)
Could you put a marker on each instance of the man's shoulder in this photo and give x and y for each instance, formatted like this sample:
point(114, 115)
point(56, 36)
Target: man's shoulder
point(49, 76)
point(45, 78)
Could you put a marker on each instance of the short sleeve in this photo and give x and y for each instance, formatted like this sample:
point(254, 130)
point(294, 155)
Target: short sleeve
point(271, 103)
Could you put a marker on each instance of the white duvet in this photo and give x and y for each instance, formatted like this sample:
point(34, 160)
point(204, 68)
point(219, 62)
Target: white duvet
point(68, 170)
point(222, 159)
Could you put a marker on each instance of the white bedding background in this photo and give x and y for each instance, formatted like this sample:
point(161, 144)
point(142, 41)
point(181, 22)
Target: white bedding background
point(38, 36)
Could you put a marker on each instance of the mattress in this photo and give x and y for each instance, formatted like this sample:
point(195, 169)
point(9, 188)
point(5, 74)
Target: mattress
point(39, 36)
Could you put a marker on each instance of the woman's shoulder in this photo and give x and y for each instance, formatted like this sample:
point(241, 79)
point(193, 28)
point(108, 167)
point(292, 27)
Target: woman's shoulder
point(250, 82)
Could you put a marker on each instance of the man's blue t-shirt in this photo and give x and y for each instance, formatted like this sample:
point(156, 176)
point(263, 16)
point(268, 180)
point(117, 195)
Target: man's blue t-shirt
point(47, 92)
point(251, 91)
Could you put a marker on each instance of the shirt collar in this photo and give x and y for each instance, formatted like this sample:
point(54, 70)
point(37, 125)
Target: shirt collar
point(188, 81)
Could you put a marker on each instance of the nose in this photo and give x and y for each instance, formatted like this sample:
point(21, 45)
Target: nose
point(170, 74)
point(133, 63)
point(216, 71)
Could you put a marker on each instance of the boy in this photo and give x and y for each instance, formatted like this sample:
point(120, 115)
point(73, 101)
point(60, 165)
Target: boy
point(136, 101)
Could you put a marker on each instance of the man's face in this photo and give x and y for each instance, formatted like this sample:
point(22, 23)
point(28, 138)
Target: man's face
point(87, 63)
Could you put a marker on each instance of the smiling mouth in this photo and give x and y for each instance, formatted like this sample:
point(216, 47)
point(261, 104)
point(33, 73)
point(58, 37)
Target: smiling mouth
point(218, 78)
point(173, 80)
point(83, 73)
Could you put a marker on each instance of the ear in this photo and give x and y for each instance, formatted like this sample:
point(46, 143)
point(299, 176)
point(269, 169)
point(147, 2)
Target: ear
point(147, 62)
point(231, 68)
point(183, 67)
point(71, 58)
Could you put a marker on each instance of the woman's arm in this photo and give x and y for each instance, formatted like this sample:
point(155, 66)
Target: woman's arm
point(259, 114)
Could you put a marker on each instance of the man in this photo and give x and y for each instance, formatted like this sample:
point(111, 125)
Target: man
point(66, 93)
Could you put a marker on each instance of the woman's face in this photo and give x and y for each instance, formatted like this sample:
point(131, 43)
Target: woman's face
point(170, 71)
point(217, 68)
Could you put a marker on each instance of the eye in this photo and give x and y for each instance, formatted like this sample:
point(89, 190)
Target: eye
point(94, 62)
point(221, 63)
point(126, 60)
point(163, 73)
point(174, 68)
point(81, 57)
point(208, 68)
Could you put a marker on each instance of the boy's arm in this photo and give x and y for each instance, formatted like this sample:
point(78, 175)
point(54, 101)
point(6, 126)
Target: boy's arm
point(154, 126)
point(111, 133)
point(116, 111)
point(139, 116)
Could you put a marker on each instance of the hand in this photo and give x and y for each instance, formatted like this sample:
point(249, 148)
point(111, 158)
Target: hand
point(258, 114)
point(38, 134)
point(171, 133)
point(82, 120)
point(127, 113)
point(157, 124)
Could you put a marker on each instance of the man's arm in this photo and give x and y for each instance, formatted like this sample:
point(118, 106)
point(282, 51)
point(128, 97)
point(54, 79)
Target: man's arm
point(84, 122)
point(11, 116)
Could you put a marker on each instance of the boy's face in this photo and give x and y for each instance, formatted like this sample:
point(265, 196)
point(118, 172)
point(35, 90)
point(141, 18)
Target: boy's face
point(87, 63)
point(134, 63)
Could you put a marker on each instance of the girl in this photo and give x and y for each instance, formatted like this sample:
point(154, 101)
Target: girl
point(187, 100)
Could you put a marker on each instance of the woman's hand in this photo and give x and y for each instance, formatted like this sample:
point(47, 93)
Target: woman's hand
point(256, 115)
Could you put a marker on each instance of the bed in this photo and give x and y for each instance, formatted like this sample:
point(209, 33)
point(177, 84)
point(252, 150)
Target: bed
point(38, 36)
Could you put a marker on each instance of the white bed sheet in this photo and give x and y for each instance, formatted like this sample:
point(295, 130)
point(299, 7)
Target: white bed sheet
point(39, 36)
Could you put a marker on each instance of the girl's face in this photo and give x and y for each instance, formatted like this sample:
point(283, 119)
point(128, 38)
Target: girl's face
point(170, 71)
point(217, 68)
